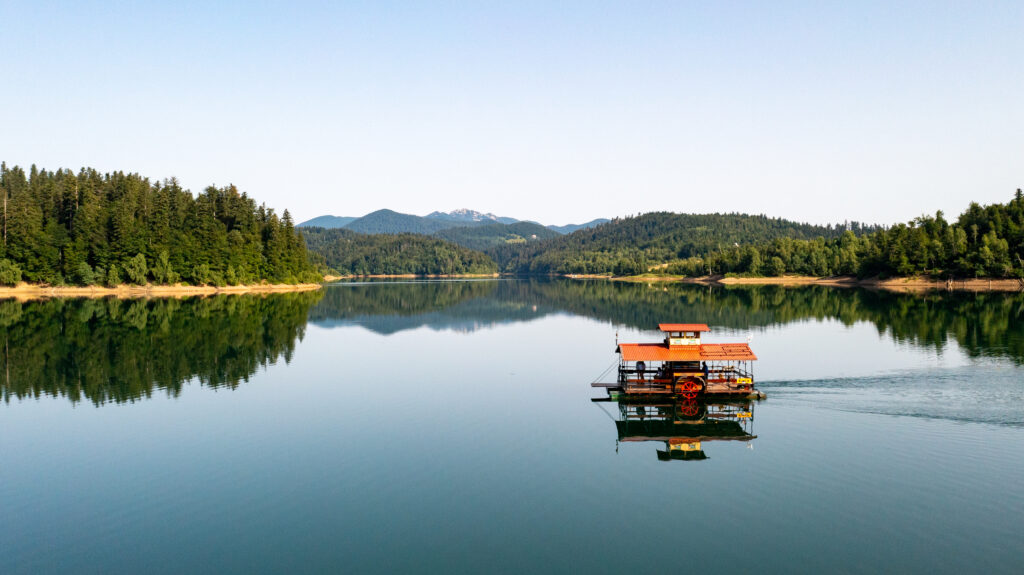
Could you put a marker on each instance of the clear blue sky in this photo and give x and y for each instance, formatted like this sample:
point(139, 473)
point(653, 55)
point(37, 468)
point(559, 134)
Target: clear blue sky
point(555, 111)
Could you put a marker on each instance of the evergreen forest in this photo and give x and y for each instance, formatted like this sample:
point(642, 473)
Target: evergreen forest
point(635, 245)
point(87, 228)
point(352, 253)
point(492, 237)
point(983, 242)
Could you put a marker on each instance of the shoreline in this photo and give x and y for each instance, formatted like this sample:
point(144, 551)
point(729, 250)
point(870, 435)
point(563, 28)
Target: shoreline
point(906, 284)
point(411, 276)
point(26, 291)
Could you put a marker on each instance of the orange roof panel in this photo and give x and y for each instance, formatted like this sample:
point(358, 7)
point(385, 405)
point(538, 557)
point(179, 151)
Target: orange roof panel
point(705, 352)
point(683, 327)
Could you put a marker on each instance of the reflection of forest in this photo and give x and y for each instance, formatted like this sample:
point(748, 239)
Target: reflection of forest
point(111, 350)
point(104, 350)
point(982, 323)
point(386, 307)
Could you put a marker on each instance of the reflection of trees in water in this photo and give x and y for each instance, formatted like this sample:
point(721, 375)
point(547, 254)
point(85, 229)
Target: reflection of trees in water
point(104, 350)
point(983, 323)
point(398, 298)
point(457, 305)
point(110, 350)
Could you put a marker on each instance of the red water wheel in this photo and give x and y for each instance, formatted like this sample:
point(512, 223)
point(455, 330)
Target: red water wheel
point(689, 389)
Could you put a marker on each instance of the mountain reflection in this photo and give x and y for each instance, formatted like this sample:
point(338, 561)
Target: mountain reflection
point(464, 306)
point(682, 427)
point(112, 350)
point(983, 324)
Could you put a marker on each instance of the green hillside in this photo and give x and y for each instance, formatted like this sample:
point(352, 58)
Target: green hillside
point(570, 228)
point(488, 236)
point(984, 242)
point(632, 245)
point(392, 254)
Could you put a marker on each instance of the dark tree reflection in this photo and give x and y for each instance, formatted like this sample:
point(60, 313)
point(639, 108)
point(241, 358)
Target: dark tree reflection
point(111, 350)
point(983, 324)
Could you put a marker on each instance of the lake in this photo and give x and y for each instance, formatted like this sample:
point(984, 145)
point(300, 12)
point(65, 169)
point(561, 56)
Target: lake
point(448, 426)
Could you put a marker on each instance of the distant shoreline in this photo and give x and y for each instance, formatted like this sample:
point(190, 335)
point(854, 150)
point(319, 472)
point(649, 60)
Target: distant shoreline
point(410, 276)
point(912, 284)
point(27, 291)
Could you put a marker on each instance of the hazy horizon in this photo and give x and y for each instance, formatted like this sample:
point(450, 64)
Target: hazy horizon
point(876, 112)
point(534, 220)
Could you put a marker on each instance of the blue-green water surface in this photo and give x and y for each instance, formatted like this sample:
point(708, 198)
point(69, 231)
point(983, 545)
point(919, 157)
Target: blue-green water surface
point(448, 427)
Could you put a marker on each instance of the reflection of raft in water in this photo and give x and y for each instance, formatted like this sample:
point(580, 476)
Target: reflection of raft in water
point(684, 425)
point(681, 365)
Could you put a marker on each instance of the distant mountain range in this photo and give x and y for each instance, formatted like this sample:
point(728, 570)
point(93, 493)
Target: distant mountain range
point(392, 222)
point(390, 242)
point(470, 216)
point(328, 222)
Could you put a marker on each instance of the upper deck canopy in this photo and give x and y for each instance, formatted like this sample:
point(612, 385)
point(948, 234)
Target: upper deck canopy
point(683, 327)
point(704, 352)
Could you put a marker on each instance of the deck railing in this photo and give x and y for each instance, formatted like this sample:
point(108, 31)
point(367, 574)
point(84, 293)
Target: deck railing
point(728, 372)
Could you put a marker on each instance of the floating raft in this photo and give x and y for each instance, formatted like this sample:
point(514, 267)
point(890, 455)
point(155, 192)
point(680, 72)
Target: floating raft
point(682, 365)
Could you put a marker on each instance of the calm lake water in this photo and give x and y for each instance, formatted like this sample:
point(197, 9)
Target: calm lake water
point(448, 427)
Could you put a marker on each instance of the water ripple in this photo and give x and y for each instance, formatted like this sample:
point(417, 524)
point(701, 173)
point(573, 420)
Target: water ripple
point(989, 394)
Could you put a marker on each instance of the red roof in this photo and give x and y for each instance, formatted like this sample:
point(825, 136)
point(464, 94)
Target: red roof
point(683, 327)
point(705, 352)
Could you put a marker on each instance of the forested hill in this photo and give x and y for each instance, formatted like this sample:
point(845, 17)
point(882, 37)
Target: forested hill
point(570, 228)
point(393, 254)
point(632, 245)
point(983, 242)
point(489, 236)
point(89, 228)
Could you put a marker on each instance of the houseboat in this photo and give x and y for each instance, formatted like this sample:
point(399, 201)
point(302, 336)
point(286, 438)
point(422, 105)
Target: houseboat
point(681, 365)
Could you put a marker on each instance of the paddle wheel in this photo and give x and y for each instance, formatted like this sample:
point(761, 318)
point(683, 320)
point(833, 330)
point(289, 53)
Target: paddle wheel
point(690, 388)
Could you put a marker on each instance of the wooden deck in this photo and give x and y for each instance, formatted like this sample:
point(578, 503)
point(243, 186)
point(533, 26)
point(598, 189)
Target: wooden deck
point(664, 387)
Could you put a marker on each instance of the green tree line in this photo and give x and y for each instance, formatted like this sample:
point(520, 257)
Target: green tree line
point(349, 252)
point(86, 228)
point(629, 246)
point(983, 242)
point(485, 237)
